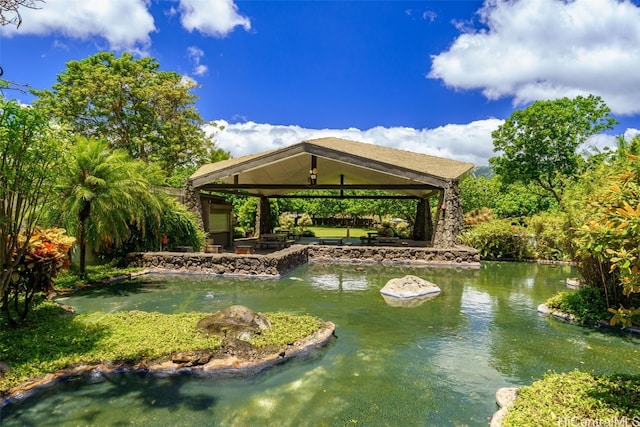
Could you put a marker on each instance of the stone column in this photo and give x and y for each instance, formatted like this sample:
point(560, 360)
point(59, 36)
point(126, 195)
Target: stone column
point(420, 226)
point(428, 226)
point(263, 217)
point(192, 201)
point(449, 220)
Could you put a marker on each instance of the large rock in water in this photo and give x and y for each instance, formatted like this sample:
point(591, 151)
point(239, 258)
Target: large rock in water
point(237, 322)
point(409, 287)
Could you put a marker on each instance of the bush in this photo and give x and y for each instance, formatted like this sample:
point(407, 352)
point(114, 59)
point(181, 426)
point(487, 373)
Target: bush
point(578, 399)
point(286, 221)
point(499, 239)
point(551, 239)
point(587, 304)
point(47, 253)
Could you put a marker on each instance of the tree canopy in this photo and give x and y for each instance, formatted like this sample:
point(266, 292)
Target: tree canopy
point(539, 144)
point(134, 106)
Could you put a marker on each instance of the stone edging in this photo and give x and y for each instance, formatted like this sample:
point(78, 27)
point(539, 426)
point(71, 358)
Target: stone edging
point(227, 367)
point(505, 398)
point(566, 317)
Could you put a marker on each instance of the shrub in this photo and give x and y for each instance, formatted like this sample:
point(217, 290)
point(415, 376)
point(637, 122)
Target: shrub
point(578, 399)
point(499, 239)
point(286, 221)
point(587, 304)
point(47, 253)
point(551, 239)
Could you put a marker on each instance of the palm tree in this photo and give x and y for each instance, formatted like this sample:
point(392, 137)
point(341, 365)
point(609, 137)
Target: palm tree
point(103, 192)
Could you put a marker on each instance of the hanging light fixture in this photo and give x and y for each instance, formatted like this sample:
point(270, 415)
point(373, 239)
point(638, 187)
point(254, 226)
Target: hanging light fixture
point(313, 176)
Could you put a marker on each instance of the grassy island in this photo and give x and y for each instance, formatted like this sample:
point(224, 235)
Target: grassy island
point(53, 339)
point(577, 399)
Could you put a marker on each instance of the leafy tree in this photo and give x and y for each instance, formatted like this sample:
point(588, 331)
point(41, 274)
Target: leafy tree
point(102, 194)
point(30, 154)
point(134, 106)
point(505, 200)
point(539, 143)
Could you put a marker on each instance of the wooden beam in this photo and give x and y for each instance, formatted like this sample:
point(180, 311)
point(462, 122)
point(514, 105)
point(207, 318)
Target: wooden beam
point(217, 187)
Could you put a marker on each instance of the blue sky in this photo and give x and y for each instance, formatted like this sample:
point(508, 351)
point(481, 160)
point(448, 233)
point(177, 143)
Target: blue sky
point(428, 76)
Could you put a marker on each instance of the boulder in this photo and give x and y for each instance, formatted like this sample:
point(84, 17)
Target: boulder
point(238, 322)
point(409, 287)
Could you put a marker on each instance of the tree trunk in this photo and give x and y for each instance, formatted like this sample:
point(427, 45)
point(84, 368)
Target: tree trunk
point(83, 215)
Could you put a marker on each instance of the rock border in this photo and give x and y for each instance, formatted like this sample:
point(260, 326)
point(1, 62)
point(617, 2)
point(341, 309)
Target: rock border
point(505, 398)
point(225, 367)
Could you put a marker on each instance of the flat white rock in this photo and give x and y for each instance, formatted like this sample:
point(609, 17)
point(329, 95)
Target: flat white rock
point(409, 287)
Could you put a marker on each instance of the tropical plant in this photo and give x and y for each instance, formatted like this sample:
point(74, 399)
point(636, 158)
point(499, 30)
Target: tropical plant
point(30, 156)
point(102, 194)
point(608, 242)
point(47, 253)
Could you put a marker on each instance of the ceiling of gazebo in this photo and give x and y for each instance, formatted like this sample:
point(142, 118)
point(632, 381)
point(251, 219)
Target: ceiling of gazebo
point(340, 163)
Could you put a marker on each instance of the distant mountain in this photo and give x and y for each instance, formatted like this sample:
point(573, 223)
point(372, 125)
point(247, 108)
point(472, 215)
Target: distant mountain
point(483, 171)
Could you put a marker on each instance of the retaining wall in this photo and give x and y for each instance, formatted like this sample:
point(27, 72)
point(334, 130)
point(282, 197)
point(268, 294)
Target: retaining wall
point(278, 263)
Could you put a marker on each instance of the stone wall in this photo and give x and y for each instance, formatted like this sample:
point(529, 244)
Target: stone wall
point(271, 265)
point(461, 255)
point(283, 261)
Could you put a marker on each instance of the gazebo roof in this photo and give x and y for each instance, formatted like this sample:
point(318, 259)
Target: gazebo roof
point(341, 164)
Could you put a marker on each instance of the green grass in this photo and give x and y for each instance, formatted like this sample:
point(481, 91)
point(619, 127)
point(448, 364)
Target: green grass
point(577, 398)
point(67, 279)
point(338, 232)
point(52, 340)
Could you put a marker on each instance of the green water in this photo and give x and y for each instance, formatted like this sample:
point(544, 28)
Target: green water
point(436, 364)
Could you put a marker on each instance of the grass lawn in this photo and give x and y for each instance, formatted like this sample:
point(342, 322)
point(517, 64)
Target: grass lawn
point(338, 232)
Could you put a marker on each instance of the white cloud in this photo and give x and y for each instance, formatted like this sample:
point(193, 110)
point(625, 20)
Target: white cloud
point(546, 49)
point(469, 143)
point(212, 17)
point(195, 54)
point(124, 24)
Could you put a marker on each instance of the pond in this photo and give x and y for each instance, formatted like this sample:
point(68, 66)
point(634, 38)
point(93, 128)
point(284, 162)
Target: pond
point(435, 364)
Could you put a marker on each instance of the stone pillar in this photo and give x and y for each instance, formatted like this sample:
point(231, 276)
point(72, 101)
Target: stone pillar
point(428, 227)
point(449, 220)
point(419, 228)
point(263, 217)
point(192, 201)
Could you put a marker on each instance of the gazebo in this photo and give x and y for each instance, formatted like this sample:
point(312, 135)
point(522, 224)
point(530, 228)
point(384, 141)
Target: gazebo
point(340, 164)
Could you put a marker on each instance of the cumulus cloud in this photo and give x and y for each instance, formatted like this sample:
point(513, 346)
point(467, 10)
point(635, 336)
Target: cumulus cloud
point(468, 143)
point(123, 24)
point(212, 17)
point(546, 49)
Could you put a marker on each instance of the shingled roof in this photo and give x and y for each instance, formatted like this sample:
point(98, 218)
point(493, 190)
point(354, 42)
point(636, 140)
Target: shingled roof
point(349, 164)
